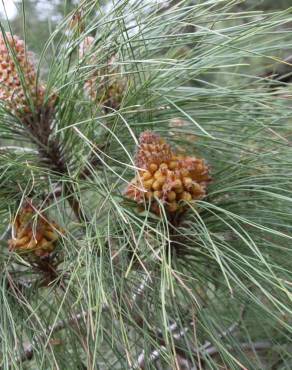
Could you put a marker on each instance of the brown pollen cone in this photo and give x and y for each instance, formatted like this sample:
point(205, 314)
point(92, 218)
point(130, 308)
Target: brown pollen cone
point(18, 77)
point(165, 177)
point(33, 233)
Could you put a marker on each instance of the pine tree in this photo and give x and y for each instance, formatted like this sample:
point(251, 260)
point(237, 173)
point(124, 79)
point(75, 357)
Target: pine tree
point(145, 189)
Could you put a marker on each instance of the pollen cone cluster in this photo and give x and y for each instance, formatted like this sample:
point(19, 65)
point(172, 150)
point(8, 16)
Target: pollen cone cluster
point(18, 78)
point(165, 177)
point(107, 85)
point(33, 233)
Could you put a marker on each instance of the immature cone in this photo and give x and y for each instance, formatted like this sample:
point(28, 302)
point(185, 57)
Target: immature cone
point(165, 177)
point(107, 85)
point(33, 233)
point(18, 78)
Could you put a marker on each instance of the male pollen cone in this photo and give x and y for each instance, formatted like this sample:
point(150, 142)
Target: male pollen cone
point(166, 177)
point(18, 78)
point(33, 233)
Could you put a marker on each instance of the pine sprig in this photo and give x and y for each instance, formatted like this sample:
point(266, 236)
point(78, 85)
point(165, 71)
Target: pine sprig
point(207, 288)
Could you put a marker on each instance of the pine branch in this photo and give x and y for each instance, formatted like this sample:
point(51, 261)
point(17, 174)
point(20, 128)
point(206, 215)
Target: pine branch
point(75, 319)
point(50, 149)
point(190, 74)
point(202, 351)
point(60, 325)
point(25, 99)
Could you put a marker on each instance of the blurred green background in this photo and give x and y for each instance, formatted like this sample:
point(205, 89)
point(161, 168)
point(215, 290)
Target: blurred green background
point(41, 16)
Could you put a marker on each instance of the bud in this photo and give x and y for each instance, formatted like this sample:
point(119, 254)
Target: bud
point(171, 179)
point(33, 233)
